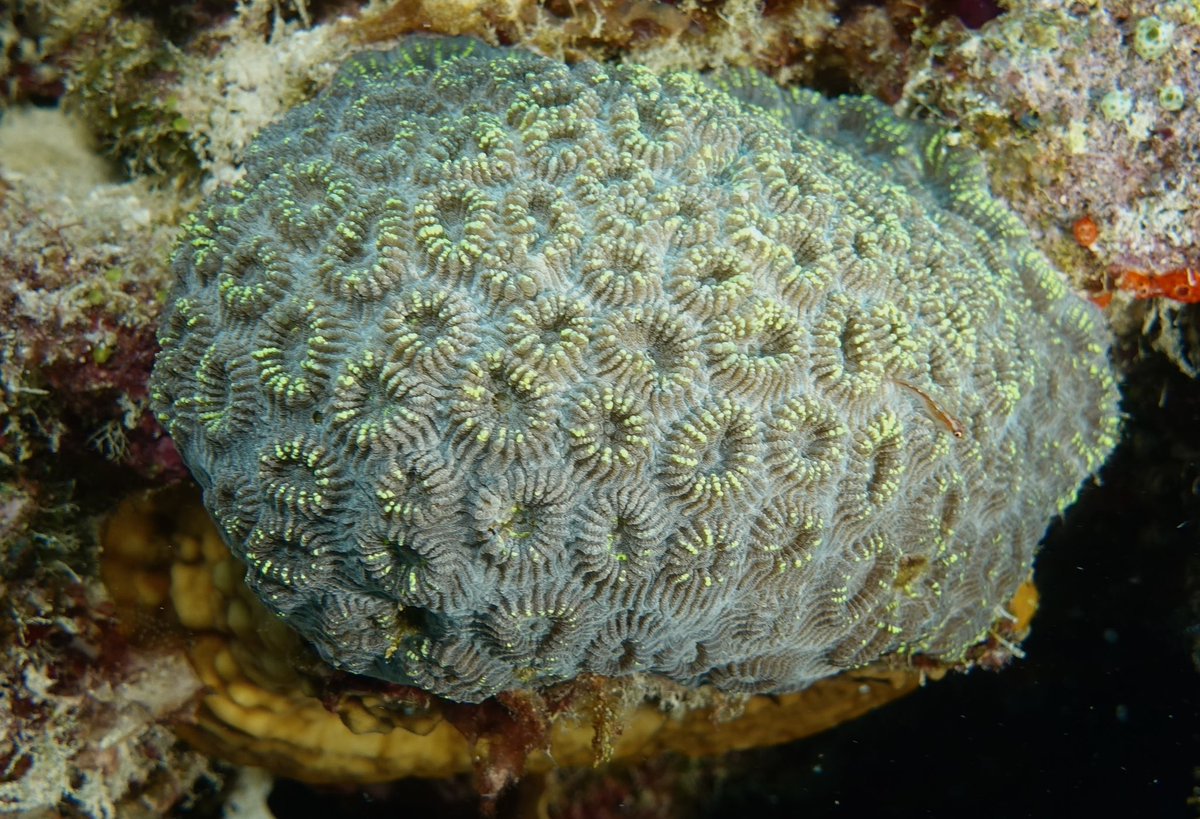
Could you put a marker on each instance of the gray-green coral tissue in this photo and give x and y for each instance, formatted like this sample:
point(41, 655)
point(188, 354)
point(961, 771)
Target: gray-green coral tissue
point(497, 371)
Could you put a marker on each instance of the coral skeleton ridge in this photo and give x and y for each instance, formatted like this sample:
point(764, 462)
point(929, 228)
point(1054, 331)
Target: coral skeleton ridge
point(497, 371)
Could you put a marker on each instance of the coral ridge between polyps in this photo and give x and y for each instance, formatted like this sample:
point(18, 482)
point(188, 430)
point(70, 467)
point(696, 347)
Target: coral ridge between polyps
point(497, 371)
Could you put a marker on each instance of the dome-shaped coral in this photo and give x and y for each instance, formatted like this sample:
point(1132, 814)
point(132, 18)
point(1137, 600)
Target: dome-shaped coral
point(497, 372)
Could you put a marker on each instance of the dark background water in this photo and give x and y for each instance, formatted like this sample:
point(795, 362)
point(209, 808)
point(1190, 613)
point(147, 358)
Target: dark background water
point(1102, 717)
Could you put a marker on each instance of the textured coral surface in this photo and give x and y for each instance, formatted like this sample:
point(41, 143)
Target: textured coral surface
point(168, 570)
point(496, 372)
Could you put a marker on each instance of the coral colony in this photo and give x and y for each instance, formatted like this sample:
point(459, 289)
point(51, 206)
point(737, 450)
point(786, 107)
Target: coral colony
point(496, 372)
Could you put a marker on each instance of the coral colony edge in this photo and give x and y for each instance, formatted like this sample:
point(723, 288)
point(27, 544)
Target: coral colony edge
point(496, 372)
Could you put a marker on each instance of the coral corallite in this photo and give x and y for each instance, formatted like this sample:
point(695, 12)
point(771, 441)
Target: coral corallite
point(496, 371)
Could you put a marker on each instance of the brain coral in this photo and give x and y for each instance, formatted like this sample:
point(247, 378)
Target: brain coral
point(497, 371)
